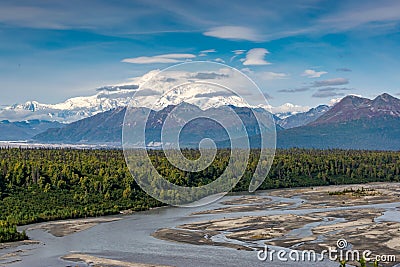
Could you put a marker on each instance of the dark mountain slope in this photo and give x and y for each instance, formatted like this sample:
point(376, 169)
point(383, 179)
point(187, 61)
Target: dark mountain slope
point(24, 130)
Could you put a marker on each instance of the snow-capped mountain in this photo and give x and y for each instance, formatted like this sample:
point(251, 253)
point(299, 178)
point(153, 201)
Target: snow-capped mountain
point(71, 110)
point(286, 110)
point(303, 118)
point(353, 123)
point(77, 108)
point(150, 91)
point(107, 127)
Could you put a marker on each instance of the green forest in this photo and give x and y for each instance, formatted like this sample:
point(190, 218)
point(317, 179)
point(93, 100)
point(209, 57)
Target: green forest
point(39, 185)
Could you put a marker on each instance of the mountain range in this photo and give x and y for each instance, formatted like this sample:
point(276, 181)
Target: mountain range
point(302, 118)
point(353, 108)
point(106, 127)
point(116, 96)
point(354, 122)
point(24, 130)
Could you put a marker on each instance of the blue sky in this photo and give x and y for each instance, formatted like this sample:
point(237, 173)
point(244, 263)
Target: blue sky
point(303, 52)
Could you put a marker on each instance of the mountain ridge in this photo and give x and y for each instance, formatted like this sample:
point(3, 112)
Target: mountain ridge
point(24, 130)
point(137, 93)
point(303, 118)
point(106, 127)
point(353, 108)
point(354, 122)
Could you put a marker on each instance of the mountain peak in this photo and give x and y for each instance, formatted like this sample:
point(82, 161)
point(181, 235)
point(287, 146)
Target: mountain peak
point(385, 97)
point(303, 118)
point(354, 107)
point(31, 105)
point(353, 99)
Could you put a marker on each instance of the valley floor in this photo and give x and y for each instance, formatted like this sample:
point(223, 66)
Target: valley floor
point(367, 216)
point(314, 219)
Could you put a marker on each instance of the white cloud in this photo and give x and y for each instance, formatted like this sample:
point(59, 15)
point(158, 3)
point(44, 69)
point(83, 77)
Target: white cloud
point(247, 70)
point(234, 33)
point(220, 60)
point(208, 51)
point(313, 74)
point(256, 56)
point(334, 101)
point(226, 78)
point(239, 51)
point(166, 58)
point(265, 75)
point(269, 75)
point(205, 53)
point(373, 13)
point(289, 108)
point(177, 56)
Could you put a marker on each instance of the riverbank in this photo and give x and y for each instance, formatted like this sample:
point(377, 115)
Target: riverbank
point(314, 219)
point(15, 251)
point(104, 262)
point(301, 218)
point(67, 227)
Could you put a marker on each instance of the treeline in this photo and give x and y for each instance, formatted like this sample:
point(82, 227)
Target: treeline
point(8, 233)
point(308, 167)
point(46, 184)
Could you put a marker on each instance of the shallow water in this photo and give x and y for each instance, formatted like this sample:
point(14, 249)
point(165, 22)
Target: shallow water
point(391, 215)
point(130, 239)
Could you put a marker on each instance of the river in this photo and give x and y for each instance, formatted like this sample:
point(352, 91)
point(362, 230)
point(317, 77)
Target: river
point(129, 239)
